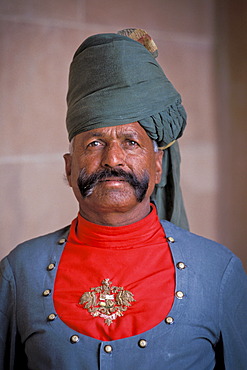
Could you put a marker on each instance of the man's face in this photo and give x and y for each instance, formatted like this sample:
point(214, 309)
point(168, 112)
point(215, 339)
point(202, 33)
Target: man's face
point(113, 169)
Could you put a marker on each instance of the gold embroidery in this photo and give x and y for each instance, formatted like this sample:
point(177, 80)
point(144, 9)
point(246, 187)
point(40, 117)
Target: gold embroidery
point(106, 301)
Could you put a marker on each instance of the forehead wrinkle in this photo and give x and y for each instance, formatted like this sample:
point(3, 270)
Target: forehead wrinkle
point(130, 132)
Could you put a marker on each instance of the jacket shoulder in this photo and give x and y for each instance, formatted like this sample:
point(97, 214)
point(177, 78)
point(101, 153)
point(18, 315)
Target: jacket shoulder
point(33, 249)
point(197, 248)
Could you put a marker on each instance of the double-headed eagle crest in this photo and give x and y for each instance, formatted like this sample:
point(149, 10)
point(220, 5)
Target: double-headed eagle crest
point(106, 301)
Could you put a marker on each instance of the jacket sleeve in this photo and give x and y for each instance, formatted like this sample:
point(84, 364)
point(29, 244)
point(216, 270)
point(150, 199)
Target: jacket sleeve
point(233, 315)
point(8, 333)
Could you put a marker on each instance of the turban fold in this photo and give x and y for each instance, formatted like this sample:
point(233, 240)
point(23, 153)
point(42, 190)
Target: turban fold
point(115, 80)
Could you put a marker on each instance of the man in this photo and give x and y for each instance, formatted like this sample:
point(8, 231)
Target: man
point(119, 289)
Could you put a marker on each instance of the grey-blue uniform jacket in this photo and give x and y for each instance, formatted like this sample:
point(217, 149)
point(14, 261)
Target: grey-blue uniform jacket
point(206, 326)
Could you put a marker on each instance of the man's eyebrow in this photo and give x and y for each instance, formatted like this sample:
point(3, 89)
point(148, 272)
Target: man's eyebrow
point(131, 134)
point(95, 134)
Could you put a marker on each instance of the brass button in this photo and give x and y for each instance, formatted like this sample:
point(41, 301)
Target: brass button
point(179, 294)
point(46, 292)
point(74, 339)
point(142, 343)
point(108, 348)
point(52, 317)
point(169, 320)
point(181, 265)
point(51, 266)
point(62, 240)
point(171, 239)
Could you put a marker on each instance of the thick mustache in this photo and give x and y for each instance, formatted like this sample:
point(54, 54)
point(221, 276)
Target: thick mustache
point(86, 183)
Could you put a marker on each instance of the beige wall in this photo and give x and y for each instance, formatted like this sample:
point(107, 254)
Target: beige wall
point(37, 41)
point(231, 90)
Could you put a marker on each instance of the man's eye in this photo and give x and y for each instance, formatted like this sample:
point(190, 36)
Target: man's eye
point(94, 143)
point(132, 143)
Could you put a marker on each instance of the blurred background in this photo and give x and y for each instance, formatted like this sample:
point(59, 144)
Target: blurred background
point(203, 51)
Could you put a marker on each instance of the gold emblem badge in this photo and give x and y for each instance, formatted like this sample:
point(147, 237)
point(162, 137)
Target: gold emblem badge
point(106, 301)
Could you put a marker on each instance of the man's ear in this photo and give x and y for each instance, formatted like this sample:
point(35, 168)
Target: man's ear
point(68, 161)
point(158, 163)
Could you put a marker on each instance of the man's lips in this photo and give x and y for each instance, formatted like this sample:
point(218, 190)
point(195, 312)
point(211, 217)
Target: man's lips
point(115, 182)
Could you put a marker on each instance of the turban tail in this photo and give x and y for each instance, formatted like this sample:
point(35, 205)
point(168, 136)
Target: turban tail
point(115, 80)
point(167, 194)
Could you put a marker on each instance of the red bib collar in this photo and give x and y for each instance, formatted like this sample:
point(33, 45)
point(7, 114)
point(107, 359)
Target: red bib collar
point(135, 258)
point(136, 235)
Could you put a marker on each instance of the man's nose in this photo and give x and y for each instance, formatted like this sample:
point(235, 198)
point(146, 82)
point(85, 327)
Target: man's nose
point(113, 156)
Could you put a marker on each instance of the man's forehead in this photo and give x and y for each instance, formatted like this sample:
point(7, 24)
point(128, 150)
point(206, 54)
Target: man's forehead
point(133, 129)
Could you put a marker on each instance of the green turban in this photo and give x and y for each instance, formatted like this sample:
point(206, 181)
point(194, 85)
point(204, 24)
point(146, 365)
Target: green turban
point(115, 80)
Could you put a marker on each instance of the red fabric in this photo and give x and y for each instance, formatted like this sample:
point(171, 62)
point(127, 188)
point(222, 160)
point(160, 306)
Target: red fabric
point(136, 257)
